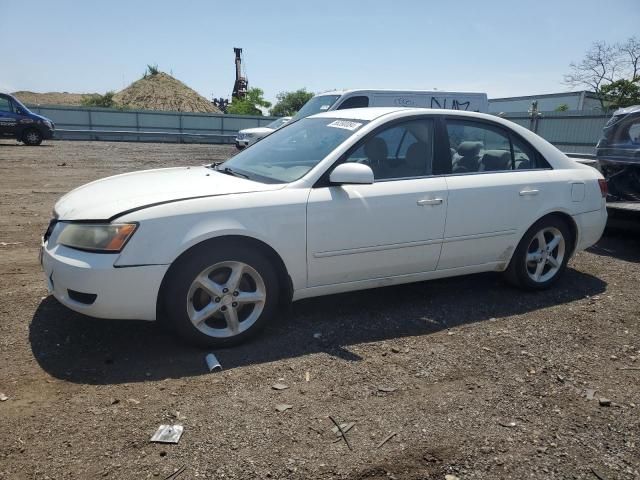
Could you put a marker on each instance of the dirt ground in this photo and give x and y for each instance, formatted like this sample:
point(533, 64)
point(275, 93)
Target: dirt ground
point(473, 378)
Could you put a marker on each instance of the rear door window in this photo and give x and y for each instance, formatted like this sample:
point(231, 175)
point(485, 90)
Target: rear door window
point(482, 147)
point(476, 147)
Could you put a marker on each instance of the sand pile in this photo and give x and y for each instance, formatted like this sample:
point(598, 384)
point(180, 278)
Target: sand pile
point(163, 92)
point(50, 98)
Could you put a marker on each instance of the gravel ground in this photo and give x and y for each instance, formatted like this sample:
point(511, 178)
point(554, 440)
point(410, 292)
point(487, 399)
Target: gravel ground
point(468, 376)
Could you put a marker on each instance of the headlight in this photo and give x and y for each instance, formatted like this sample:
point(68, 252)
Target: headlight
point(240, 136)
point(249, 135)
point(47, 123)
point(108, 238)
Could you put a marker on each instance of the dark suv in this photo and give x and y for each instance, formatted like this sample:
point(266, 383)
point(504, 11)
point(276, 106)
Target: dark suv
point(16, 121)
point(618, 154)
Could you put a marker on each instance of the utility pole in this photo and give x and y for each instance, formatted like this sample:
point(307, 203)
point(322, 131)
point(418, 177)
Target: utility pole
point(534, 115)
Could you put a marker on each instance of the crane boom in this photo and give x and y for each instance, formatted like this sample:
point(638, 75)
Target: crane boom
point(241, 84)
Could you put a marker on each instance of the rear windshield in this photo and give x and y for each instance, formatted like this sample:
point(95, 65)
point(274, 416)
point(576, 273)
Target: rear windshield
point(317, 104)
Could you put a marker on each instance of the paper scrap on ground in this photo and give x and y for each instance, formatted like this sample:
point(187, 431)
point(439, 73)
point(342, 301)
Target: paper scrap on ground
point(168, 434)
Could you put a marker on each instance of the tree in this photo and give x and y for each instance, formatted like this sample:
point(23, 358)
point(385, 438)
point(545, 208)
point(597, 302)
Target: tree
point(622, 93)
point(249, 104)
point(290, 102)
point(605, 64)
point(563, 107)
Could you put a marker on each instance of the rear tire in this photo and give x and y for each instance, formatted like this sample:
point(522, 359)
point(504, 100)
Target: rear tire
point(542, 255)
point(32, 137)
point(220, 296)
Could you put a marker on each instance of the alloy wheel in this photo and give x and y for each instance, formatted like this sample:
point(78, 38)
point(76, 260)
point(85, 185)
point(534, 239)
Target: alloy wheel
point(226, 299)
point(545, 254)
point(32, 137)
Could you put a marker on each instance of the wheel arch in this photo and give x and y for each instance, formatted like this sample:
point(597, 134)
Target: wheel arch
point(284, 280)
point(27, 128)
point(562, 215)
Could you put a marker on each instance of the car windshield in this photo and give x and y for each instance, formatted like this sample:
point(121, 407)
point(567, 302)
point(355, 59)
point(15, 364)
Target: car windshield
point(318, 104)
point(289, 153)
point(278, 123)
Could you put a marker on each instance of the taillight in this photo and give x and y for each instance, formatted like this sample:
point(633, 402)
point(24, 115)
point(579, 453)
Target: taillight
point(604, 190)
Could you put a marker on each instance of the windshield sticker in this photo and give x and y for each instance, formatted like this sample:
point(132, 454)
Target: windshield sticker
point(345, 124)
point(324, 107)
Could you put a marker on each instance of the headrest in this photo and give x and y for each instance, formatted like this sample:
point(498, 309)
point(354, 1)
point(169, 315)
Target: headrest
point(376, 149)
point(469, 149)
point(417, 154)
point(496, 160)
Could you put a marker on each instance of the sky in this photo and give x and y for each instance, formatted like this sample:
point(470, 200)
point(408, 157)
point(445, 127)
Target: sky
point(503, 48)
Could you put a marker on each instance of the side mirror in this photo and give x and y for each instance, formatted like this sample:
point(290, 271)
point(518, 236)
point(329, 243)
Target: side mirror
point(351, 173)
point(20, 111)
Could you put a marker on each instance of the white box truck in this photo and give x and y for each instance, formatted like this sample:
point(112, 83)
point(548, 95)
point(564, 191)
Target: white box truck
point(340, 100)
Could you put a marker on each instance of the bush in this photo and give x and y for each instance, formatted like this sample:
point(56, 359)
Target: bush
point(97, 100)
point(151, 71)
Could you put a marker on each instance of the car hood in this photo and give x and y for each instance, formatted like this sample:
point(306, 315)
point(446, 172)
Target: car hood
point(257, 130)
point(113, 196)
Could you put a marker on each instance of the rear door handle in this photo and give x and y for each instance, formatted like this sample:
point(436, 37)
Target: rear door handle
point(529, 192)
point(430, 201)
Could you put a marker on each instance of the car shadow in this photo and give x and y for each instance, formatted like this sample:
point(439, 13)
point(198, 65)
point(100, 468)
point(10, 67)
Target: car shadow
point(21, 145)
point(620, 240)
point(81, 349)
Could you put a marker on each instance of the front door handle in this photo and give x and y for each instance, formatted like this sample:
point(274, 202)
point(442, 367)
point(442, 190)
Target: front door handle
point(529, 192)
point(430, 201)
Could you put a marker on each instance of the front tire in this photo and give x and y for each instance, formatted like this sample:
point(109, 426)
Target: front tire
point(542, 255)
point(32, 137)
point(220, 296)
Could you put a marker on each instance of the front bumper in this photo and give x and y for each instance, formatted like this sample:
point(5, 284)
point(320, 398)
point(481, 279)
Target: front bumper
point(90, 284)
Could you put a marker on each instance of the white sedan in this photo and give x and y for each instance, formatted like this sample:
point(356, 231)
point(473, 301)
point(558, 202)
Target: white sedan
point(249, 136)
point(340, 201)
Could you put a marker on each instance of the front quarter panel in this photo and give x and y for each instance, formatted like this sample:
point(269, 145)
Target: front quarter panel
point(277, 218)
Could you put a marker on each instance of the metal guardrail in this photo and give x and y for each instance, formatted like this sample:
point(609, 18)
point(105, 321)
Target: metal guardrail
point(93, 123)
point(93, 134)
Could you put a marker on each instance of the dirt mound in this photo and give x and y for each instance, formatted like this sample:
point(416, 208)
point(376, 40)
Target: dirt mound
point(51, 98)
point(163, 92)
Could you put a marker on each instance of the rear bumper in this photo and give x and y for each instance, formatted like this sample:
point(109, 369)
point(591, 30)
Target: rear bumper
point(90, 284)
point(590, 227)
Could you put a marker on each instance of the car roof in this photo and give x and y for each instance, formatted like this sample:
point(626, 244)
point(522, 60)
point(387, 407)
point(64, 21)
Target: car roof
point(395, 90)
point(371, 113)
point(627, 110)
